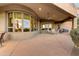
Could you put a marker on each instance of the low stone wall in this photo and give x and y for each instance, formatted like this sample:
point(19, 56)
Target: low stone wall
point(20, 35)
point(6, 36)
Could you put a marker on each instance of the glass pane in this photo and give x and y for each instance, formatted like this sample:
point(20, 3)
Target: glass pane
point(26, 25)
point(26, 17)
point(10, 29)
point(43, 26)
point(10, 17)
point(18, 25)
point(17, 15)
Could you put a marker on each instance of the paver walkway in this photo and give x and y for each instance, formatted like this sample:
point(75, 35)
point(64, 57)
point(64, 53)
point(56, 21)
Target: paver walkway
point(41, 45)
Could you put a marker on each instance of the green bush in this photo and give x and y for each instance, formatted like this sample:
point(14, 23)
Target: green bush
point(75, 36)
point(26, 30)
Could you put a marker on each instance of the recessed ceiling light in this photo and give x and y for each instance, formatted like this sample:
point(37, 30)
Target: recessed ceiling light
point(40, 9)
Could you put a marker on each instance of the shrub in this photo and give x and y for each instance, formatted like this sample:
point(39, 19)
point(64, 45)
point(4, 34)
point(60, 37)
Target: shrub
point(75, 36)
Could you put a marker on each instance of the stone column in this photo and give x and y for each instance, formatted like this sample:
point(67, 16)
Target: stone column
point(74, 23)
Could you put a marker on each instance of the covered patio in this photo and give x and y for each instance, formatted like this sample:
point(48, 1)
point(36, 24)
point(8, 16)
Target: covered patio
point(30, 18)
point(23, 23)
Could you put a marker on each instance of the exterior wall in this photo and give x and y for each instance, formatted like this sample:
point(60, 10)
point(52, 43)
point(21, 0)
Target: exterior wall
point(67, 25)
point(78, 11)
point(72, 10)
point(67, 7)
point(19, 35)
point(13, 35)
point(3, 25)
point(17, 7)
point(2, 22)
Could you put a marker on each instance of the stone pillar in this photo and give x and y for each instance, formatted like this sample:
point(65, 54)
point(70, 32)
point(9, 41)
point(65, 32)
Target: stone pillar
point(73, 23)
point(38, 25)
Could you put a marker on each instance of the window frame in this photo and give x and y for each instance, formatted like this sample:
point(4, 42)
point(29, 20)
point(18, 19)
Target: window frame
point(22, 14)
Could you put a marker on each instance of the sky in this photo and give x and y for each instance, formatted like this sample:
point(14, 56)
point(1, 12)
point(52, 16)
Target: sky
point(76, 4)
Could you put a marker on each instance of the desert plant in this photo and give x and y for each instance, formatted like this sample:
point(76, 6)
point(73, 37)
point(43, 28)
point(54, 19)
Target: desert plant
point(75, 36)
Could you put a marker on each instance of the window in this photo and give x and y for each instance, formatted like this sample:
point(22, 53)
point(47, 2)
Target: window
point(17, 18)
point(26, 23)
point(43, 26)
point(18, 25)
point(21, 22)
point(46, 26)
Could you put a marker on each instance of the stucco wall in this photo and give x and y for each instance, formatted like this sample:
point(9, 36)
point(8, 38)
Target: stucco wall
point(78, 11)
point(67, 25)
point(2, 21)
point(18, 7)
point(67, 7)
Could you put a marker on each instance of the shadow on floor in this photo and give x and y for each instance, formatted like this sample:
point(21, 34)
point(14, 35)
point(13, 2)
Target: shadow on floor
point(75, 51)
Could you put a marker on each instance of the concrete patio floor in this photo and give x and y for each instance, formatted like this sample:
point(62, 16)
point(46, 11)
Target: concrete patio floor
point(40, 45)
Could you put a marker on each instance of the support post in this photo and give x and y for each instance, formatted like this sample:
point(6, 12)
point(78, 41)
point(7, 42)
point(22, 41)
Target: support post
point(72, 23)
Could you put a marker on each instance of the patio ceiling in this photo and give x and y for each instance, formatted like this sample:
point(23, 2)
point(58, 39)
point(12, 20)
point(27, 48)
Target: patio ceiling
point(47, 11)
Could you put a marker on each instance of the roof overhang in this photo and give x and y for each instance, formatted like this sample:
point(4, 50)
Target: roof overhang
point(49, 11)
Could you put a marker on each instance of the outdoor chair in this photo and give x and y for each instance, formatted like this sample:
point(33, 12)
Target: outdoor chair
point(1, 38)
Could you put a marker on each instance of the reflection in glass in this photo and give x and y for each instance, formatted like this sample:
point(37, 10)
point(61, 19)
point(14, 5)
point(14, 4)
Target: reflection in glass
point(26, 23)
point(17, 15)
point(27, 17)
point(10, 17)
point(18, 25)
point(19, 21)
point(10, 29)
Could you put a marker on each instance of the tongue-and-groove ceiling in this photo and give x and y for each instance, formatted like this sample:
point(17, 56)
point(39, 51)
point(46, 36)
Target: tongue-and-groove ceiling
point(46, 11)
